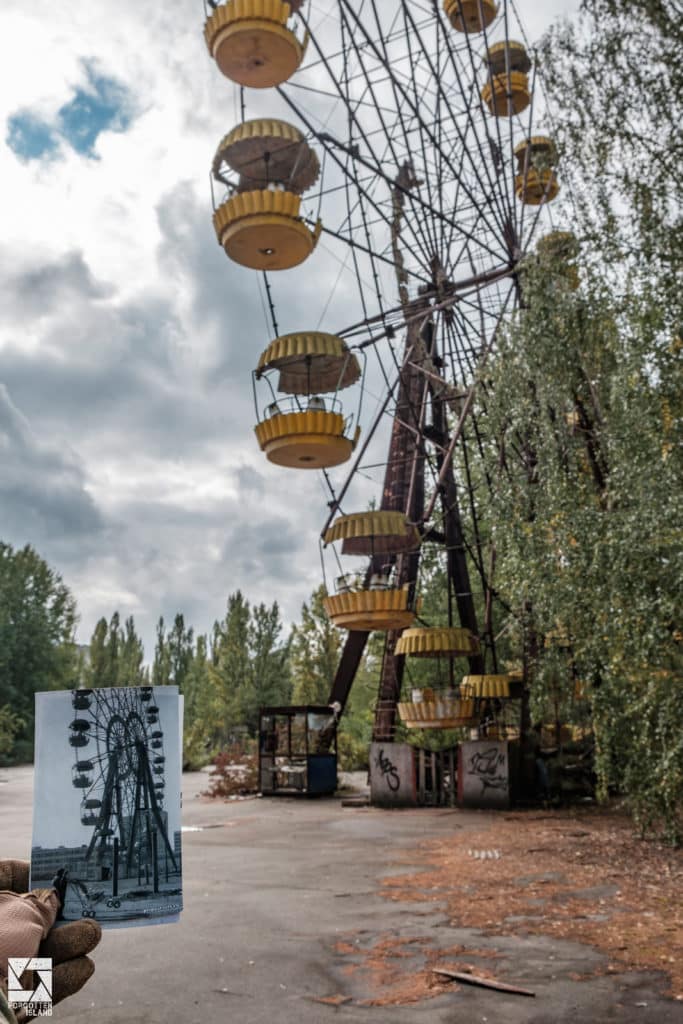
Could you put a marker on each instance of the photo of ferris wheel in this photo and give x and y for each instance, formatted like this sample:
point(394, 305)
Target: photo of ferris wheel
point(107, 802)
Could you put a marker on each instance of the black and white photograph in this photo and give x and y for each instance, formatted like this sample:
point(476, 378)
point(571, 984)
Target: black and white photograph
point(106, 825)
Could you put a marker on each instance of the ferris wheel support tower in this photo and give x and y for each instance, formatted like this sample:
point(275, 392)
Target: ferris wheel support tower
point(421, 390)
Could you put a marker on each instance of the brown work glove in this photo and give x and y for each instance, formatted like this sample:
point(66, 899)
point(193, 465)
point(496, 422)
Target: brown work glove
point(27, 920)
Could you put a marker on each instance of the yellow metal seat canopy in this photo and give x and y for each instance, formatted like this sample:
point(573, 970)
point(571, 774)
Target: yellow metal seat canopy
point(437, 642)
point(310, 362)
point(266, 151)
point(373, 533)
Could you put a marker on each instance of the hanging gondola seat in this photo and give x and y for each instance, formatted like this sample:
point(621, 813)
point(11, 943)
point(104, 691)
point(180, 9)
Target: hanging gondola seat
point(367, 610)
point(266, 151)
point(470, 15)
point(81, 699)
point(507, 89)
point(487, 686)
point(263, 230)
point(251, 43)
point(310, 439)
point(536, 181)
point(438, 713)
point(437, 642)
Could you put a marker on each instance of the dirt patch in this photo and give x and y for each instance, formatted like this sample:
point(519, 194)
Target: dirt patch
point(399, 971)
point(582, 877)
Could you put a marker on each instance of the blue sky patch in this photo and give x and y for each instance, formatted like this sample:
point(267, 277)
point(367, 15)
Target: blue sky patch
point(29, 137)
point(101, 105)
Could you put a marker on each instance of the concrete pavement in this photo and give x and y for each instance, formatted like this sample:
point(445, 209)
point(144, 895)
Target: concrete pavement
point(270, 886)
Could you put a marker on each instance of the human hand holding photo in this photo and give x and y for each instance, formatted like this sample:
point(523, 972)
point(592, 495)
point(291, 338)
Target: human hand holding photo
point(26, 929)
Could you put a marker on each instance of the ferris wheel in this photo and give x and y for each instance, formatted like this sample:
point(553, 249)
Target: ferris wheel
point(119, 772)
point(401, 145)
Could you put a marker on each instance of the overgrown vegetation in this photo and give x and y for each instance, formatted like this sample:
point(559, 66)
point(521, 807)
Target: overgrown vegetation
point(584, 406)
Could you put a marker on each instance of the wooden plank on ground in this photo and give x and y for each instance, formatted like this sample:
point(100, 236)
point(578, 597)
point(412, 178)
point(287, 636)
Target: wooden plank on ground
point(475, 979)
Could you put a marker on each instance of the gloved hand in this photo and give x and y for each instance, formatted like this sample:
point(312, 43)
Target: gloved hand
point(26, 921)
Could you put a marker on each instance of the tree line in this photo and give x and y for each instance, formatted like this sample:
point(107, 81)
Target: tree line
point(247, 660)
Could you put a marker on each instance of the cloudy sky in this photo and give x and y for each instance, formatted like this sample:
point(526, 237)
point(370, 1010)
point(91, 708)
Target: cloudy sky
point(127, 455)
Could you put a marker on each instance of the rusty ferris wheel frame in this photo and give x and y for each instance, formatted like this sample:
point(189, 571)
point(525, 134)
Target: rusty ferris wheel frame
point(421, 169)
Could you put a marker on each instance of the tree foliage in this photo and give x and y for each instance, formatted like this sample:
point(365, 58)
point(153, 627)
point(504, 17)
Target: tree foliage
point(315, 649)
point(116, 655)
point(585, 433)
point(37, 624)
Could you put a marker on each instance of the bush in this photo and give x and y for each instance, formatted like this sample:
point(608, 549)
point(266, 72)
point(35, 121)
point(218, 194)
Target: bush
point(10, 725)
point(353, 753)
point(235, 772)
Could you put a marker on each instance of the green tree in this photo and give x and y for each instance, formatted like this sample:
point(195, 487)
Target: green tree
point(180, 651)
point(131, 670)
point(315, 648)
point(10, 725)
point(228, 673)
point(268, 680)
point(161, 666)
point(116, 655)
point(583, 515)
point(37, 625)
point(199, 708)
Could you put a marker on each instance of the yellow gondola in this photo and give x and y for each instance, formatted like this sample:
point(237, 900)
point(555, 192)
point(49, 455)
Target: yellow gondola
point(366, 610)
point(311, 433)
point(259, 224)
point(252, 43)
point(507, 89)
point(470, 15)
point(264, 230)
point(438, 713)
point(536, 181)
point(370, 600)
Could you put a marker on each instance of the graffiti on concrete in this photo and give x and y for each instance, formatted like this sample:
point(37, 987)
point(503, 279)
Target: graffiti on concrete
point(388, 771)
point(489, 766)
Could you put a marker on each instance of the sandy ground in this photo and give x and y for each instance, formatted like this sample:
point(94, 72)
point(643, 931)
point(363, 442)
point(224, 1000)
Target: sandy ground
point(304, 912)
